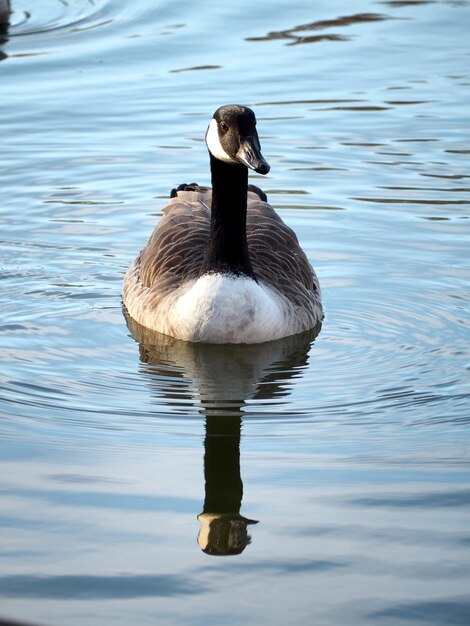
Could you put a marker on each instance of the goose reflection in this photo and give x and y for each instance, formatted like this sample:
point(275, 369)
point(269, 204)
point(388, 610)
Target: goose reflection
point(223, 530)
point(220, 379)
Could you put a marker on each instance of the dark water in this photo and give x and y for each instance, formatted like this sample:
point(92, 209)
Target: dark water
point(351, 450)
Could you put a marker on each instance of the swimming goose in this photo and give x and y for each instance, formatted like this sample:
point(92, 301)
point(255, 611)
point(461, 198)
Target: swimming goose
point(221, 266)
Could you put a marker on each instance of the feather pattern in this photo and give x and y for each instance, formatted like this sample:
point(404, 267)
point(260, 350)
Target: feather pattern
point(170, 265)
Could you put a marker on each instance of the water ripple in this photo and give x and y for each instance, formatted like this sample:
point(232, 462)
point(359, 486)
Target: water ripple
point(361, 430)
point(50, 16)
point(292, 34)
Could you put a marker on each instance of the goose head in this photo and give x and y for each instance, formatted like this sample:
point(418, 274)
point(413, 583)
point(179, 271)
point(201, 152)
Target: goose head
point(232, 138)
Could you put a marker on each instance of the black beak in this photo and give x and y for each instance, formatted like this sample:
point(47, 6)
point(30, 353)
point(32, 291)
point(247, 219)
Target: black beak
point(250, 155)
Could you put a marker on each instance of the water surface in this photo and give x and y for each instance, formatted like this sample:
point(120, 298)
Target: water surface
point(331, 471)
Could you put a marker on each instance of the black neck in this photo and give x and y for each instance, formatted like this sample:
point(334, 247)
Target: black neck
point(227, 249)
point(224, 487)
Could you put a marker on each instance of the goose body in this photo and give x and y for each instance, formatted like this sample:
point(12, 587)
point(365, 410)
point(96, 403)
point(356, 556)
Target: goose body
point(221, 266)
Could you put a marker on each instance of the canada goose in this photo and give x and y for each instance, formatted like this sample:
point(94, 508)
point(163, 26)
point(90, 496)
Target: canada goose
point(221, 266)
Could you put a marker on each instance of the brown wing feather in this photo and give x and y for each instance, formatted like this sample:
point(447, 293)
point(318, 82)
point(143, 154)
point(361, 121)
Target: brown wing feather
point(276, 255)
point(175, 250)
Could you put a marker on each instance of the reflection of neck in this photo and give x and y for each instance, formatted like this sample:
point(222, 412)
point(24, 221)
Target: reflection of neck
point(224, 487)
point(227, 250)
point(4, 12)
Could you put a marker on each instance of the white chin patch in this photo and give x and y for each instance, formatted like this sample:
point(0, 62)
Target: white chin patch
point(214, 145)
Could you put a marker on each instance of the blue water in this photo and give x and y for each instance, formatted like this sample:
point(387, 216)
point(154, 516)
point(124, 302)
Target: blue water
point(350, 450)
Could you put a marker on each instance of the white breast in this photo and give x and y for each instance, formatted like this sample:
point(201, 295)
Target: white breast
point(219, 308)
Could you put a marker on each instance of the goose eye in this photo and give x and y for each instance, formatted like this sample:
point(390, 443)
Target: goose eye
point(223, 127)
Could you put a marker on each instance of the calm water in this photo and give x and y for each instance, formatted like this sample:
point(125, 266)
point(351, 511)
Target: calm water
point(124, 453)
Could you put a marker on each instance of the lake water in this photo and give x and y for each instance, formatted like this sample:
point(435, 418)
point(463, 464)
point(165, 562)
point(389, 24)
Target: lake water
point(130, 461)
